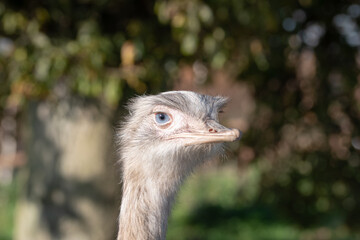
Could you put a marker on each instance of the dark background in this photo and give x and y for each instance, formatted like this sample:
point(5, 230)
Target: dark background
point(290, 68)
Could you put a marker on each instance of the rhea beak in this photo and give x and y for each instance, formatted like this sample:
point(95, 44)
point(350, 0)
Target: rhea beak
point(214, 133)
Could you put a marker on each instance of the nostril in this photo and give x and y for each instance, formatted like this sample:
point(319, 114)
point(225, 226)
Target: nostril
point(212, 130)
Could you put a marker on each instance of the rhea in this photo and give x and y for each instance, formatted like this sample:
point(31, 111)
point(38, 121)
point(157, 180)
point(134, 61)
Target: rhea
point(162, 140)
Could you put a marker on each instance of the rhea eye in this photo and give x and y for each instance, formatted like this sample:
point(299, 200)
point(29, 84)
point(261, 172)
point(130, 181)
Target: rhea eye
point(162, 118)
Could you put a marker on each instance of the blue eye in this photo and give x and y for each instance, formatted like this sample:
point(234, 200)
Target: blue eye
point(162, 118)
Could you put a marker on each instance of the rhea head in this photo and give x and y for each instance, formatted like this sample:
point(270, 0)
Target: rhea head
point(173, 131)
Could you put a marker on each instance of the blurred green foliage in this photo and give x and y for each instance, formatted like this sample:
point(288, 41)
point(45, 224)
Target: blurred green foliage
point(210, 206)
point(299, 58)
point(8, 195)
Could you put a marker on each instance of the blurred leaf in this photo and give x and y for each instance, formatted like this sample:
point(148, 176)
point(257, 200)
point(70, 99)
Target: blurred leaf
point(189, 44)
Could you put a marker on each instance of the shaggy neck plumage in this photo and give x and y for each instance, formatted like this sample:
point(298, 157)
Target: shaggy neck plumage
point(148, 194)
point(149, 188)
point(144, 212)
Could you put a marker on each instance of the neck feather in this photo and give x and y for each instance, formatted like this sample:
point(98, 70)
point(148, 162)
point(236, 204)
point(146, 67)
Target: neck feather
point(149, 188)
point(144, 210)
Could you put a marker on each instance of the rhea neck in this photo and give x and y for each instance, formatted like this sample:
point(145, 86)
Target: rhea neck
point(144, 212)
point(149, 188)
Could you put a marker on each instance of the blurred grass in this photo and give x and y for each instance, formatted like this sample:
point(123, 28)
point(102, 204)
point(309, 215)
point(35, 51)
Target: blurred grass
point(214, 204)
point(8, 196)
point(210, 206)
